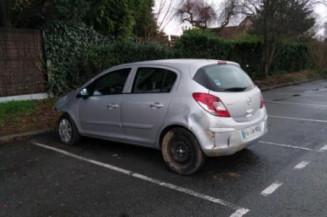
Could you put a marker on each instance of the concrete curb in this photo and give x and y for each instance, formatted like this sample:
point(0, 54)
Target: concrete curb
point(290, 84)
point(18, 136)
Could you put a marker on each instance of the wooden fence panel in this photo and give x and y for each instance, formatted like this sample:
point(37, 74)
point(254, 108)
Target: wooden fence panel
point(21, 62)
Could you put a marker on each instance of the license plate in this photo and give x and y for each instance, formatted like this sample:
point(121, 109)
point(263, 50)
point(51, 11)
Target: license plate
point(251, 132)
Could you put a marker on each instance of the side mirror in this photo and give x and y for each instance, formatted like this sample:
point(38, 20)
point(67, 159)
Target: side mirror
point(83, 93)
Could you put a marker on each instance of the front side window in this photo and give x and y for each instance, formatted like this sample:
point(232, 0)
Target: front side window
point(154, 80)
point(111, 83)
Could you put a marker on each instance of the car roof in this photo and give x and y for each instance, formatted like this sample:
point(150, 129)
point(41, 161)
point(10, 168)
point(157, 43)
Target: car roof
point(187, 64)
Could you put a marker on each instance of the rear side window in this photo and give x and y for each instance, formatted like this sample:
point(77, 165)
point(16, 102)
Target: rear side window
point(111, 83)
point(154, 80)
point(223, 78)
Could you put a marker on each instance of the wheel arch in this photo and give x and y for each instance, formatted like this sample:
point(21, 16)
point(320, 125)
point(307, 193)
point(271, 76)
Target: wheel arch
point(66, 113)
point(170, 127)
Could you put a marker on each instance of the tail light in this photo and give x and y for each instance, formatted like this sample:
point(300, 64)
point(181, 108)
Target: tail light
point(211, 104)
point(262, 103)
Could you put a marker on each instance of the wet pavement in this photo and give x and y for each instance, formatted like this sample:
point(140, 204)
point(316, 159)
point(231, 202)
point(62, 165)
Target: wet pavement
point(285, 174)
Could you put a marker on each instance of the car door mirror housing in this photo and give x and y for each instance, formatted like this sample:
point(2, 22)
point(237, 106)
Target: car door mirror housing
point(83, 93)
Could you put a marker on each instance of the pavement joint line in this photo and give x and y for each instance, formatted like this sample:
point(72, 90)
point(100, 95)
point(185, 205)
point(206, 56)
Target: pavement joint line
point(297, 119)
point(301, 165)
point(288, 146)
point(295, 103)
point(148, 179)
point(323, 148)
point(271, 189)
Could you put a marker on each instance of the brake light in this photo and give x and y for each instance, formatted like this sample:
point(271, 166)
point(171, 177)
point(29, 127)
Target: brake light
point(211, 104)
point(222, 62)
point(262, 102)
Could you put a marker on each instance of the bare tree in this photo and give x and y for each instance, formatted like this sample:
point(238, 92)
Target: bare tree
point(165, 11)
point(197, 12)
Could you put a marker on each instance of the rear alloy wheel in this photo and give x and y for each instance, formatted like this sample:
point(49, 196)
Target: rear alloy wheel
point(182, 152)
point(67, 131)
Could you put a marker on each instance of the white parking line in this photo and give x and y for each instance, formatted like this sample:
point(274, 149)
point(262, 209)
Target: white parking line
point(287, 146)
point(242, 211)
point(301, 165)
point(295, 103)
point(269, 190)
point(297, 119)
point(323, 148)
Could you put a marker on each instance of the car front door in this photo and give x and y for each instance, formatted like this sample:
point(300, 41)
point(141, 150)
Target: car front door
point(99, 113)
point(143, 111)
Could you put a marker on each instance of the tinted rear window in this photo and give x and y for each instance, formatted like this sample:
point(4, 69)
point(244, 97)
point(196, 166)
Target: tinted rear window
point(223, 78)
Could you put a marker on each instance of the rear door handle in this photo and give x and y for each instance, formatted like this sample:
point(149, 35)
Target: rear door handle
point(156, 105)
point(112, 106)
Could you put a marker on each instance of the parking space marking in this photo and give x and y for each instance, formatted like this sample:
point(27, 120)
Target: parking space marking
point(323, 148)
point(149, 179)
point(295, 103)
point(287, 146)
point(301, 165)
point(240, 212)
point(297, 119)
point(269, 190)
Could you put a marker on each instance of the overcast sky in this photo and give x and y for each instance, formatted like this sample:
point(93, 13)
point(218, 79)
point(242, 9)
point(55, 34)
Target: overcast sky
point(174, 27)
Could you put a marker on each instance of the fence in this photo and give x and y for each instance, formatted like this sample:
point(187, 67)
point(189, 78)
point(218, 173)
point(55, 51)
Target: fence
point(21, 62)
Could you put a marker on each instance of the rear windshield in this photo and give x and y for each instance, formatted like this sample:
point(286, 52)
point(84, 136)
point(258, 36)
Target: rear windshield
point(228, 78)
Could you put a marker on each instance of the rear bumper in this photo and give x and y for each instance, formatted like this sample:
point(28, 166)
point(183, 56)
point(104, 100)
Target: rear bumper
point(228, 141)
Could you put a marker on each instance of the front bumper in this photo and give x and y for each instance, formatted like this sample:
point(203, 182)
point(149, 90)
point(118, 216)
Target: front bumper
point(228, 141)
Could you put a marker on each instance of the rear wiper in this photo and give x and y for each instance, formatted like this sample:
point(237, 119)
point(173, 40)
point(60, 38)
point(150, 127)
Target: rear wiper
point(235, 89)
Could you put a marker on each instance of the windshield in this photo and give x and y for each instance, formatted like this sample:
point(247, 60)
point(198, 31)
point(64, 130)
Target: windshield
point(223, 78)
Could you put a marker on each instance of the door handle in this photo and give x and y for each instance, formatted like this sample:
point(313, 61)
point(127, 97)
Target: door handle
point(112, 106)
point(156, 105)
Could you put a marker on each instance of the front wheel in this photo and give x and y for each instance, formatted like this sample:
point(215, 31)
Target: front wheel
point(182, 152)
point(67, 131)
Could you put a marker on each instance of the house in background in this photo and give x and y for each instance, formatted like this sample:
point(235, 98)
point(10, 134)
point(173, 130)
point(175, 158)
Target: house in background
point(233, 32)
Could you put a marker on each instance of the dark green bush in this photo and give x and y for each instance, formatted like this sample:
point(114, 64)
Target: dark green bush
point(247, 52)
point(197, 43)
point(104, 56)
point(77, 52)
point(65, 43)
point(293, 57)
point(318, 56)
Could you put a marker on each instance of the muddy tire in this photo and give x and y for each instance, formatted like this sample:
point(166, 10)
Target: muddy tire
point(67, 131)
point(182, 152)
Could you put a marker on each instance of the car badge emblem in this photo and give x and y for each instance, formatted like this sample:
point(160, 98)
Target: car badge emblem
point(249, 101)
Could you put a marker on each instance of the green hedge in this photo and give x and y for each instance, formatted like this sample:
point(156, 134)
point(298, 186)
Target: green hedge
point(77, 52)
point(101, 57)
point(65, 44)
point(198, 43)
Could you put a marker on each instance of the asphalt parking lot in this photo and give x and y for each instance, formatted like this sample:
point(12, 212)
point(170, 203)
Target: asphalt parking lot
point(285, 174)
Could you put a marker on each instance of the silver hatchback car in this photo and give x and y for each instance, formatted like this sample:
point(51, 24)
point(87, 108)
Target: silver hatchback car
point(188, 108)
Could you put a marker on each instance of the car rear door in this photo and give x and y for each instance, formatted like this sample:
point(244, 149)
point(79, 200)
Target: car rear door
point(143, 111)
point(99, 113)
